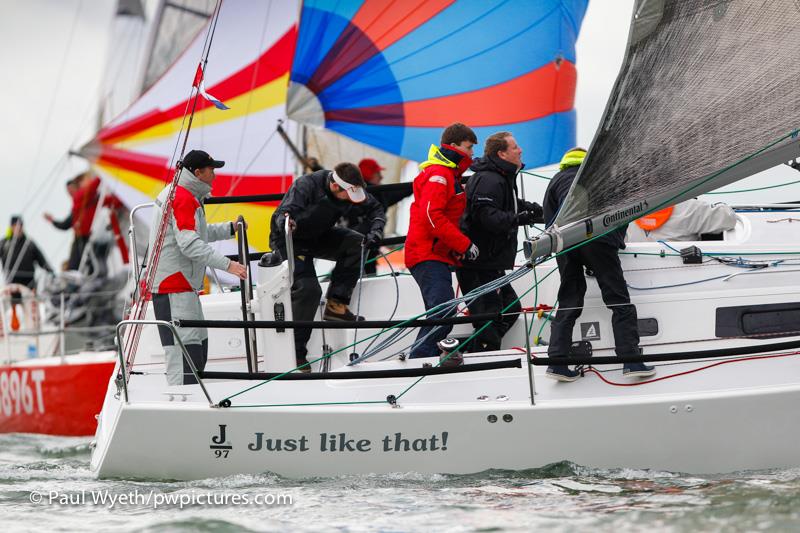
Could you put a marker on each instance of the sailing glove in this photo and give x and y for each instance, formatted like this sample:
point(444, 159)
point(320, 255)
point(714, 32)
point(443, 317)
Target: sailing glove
point(472, 253)
point(526, 218)
point(536, 209)
point(372, 239)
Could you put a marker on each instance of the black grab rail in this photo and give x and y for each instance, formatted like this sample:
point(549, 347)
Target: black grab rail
point(324, 324)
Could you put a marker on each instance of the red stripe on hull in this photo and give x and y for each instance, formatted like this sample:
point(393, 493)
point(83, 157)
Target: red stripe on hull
point(53, 399)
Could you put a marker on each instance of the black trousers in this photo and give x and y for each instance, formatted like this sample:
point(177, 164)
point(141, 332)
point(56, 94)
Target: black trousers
point(76, 252)
point(493, 302)
point(338, 244)
point(603, 260)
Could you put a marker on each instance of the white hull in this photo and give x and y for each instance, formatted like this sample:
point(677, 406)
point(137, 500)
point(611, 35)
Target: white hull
point(720, 427)
point(707, 416)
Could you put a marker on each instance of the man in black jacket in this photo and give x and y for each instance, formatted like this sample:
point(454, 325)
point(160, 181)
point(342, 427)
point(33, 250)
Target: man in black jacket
point(315, 203)
point(601, 257)
point(20, 255)
point(491, 221)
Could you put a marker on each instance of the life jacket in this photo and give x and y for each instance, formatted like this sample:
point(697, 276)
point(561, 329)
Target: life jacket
point(655, 219)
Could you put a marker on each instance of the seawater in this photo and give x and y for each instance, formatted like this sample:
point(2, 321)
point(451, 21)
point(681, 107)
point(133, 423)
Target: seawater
point(560, 497)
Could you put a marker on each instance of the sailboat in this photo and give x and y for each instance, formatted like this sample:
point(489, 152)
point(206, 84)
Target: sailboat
point(702, 99)
point(56, 347)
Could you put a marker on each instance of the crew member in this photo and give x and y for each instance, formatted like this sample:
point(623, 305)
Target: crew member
point(20, 255)
point(435, 243)
point(601, 256)
point(184, 256)
point(491, 221)
point(314, 204)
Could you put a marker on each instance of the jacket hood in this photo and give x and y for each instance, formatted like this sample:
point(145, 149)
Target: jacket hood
point(192, 183)
point(447, 156)
point(495, 164)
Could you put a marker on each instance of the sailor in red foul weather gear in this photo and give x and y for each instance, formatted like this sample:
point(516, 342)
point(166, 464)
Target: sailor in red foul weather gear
point(435, 243)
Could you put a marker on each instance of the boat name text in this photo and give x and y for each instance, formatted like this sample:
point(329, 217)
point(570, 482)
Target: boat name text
point(21, 394)
point(622, 214)
point(221, 446)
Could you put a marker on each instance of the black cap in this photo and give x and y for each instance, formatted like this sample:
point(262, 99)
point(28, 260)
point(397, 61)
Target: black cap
point(15, 219)
point(200, 159)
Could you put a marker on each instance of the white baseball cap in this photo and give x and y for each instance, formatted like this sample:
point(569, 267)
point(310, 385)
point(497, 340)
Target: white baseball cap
point(354, 191)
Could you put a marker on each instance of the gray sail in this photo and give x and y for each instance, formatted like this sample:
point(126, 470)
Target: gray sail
point(707, 95)
point(179, 22)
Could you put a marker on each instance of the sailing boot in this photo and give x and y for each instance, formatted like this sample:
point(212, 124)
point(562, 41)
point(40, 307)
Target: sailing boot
point(638, 370)
point(562, 373)
point(337, 311)
point(302, 365)
point(450, 356)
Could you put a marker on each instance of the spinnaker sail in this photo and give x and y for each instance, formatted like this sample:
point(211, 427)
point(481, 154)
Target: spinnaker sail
point(248, 69)
point(393, 74)
point(387, 74)
point(707, 95)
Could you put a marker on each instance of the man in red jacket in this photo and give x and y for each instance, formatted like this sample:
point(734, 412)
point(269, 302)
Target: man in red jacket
point(435, 243)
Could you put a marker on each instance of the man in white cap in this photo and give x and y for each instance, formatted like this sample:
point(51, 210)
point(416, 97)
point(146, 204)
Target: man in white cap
point(185, 254)
point(315, 203)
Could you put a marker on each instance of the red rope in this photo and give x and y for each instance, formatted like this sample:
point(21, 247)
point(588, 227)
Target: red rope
point(636, 384)
point(718, 363)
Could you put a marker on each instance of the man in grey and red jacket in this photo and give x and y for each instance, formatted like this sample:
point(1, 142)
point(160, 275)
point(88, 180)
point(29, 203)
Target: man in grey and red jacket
point(185, 254)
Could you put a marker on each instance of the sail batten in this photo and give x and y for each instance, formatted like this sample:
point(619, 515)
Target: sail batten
point(706, 95)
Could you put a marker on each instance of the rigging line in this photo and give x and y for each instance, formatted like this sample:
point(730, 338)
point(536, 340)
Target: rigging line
point(88, 118)
point(325, 356)
point(535, 175)
point(360, 287)
point(56, 92)
point(464, 342)
point(38, 196)
point(686, 372)
point(236, 181)
point(396, 297)
point(253, 79)
point(132, 339)
point(757, 188)
point(669, 201)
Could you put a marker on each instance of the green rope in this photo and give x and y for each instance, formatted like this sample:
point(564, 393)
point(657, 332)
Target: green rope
point(757, 188)
point(390, 252)
point(327, 275)
point(305, 404)
point(529, 173)
point(352, 345)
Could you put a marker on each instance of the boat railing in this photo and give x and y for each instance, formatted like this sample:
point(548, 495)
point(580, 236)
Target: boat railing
point(31, 325)
point(132, 233)
point(122, 377)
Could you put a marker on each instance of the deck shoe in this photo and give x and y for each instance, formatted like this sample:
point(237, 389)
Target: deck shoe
point(562, 373)
point(303, 369)
point(454, 359)
point(337, 311)
point(638, 370)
